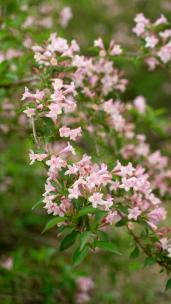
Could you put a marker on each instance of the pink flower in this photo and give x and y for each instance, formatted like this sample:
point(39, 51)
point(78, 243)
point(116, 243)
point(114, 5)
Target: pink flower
point(65, 16)
point(96, 199)
point(7, 263)
point(39, 157)
point(134, 213)
point(161, 20)
point(85, 284)
point(152, 62)
point(151, 41)
point(112, 217)
point(115, 49)
point(71, 170)
point(68, 149)
point(141, 24)
point(99, 43)
point(30, 112)
point(73, 134)
point(140, 104)
point(55, 110)
point(39, 95)
point(155, 216)
point(56, 163)
point(165, 52)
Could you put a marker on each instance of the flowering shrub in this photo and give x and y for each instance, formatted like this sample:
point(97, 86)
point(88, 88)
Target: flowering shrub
point(101, 170)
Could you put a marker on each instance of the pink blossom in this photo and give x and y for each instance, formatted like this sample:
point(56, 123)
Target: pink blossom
point(30, 112)
point(151, 41)
point(161, 20)
point(56, 163)
point(155, 216)
point(152, 62)
point(99, 43)
point(65, 16)
point(115, 49)
point(68, 149)
point(165, 53)
point(96, 199)
point(134, 213)
point(39, 157)
point(140, 104)
point(73, 134)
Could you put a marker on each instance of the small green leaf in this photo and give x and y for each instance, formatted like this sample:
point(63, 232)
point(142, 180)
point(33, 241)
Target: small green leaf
point(84, 238)
point(68, 240)
point(103, 235)
point(37, 204)
point(168, 285)
point(108, 246)
point(135, 253)
point(53, 223)
point(86, 210)
point(121, 223)
point(79, 255)
point(149, 261)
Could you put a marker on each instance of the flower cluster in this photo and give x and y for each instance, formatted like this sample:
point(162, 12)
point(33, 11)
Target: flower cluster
point(156, 39)
point(84, 286)
point(84, 190)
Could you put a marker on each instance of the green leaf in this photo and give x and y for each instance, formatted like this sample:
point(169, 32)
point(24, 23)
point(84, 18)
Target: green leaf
point(68, 240)
point(37, 204)
point(84, 238)
point(86, 210)
point(121, 223)
point(108, 246)
point(79, 255)
point(103, 235)
point(168, 285)
point(149, 261)
point(135, 253)
point(54, 222)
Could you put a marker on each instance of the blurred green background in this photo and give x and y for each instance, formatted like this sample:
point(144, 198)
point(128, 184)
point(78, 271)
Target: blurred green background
point(37, 272)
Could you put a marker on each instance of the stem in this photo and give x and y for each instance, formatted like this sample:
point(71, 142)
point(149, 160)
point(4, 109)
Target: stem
point(19, 82)
point(34, 132)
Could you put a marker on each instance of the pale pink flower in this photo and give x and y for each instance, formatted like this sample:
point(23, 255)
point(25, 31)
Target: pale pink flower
point(152, 62)
point(112, 217)
point(155, 216)
point(161, 20)
point(73, 134)
point(30, 112)
point(7, 264)
point(115, 49)
point(65, 16)
point(85, 284)
point(140, 104)
point(35, 156)
point(71, 170)
point(134, 213)
point(56, 163)
point(99, 43)
point(165, 52)
point(151, 41)
point(96, 199)
point(68, 149)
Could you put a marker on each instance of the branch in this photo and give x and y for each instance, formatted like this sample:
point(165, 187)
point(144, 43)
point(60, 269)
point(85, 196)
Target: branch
point(19, 82)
